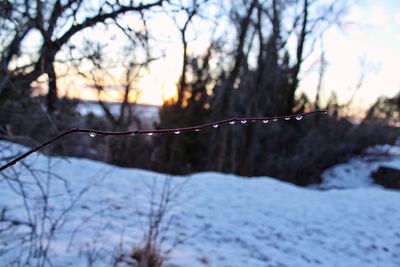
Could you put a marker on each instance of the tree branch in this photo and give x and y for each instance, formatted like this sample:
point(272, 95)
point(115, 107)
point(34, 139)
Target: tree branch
point(101, 18)
point(197, 128)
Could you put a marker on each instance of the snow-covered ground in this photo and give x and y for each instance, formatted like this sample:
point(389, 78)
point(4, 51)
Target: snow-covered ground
point(222, 220)
point(357, 172)
point(144, 112)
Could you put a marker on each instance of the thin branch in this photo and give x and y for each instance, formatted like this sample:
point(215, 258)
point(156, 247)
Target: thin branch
point(197, 128)
point(89, 22)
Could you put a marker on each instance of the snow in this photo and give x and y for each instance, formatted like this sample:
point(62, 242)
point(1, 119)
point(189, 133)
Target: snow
point(145, 112)
point(357, 172)
point(225, 220)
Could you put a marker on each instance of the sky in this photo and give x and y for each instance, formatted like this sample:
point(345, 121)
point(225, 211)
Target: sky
point(368, 41)
point(372, 38)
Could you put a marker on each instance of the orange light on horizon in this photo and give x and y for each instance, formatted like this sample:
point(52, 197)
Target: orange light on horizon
point(155, 91)
point(150, 91)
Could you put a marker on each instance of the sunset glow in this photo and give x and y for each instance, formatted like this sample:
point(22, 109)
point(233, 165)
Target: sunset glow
point(373, 41)
point(155, 91)
point(150, 90)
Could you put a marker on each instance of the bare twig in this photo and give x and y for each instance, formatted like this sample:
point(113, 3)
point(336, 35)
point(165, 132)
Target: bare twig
point(197, 128)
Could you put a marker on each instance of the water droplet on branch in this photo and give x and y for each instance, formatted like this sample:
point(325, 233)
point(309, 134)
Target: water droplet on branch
point(265, 121)
point(92, 134)
point(232, 122)
point(150, 134)
point(287, 118)
point(197, 130)
point(299, 117)
point(244, 121)
point(275, 120)
point(177, 132)
point(215, 125)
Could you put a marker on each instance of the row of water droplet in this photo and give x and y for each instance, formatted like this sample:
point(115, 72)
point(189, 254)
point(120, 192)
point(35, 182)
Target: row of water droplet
point(298, 117)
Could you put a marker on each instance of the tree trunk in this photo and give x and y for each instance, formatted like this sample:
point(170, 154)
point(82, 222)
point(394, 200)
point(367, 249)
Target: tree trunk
point(224, 104)
point(52, 98)
point(299, 58)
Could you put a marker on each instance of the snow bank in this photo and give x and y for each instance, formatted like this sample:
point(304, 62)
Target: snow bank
point(357, 172)
point(227, 220)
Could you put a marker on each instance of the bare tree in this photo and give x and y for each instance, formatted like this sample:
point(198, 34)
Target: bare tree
point(56, 22)
point(190, 13)
point(224, 98)
point(101, 77)
point(192, 97)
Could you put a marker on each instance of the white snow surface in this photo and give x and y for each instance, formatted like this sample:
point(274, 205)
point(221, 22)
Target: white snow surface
point(224, 220)
point(357, 172)
point(145, 112)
